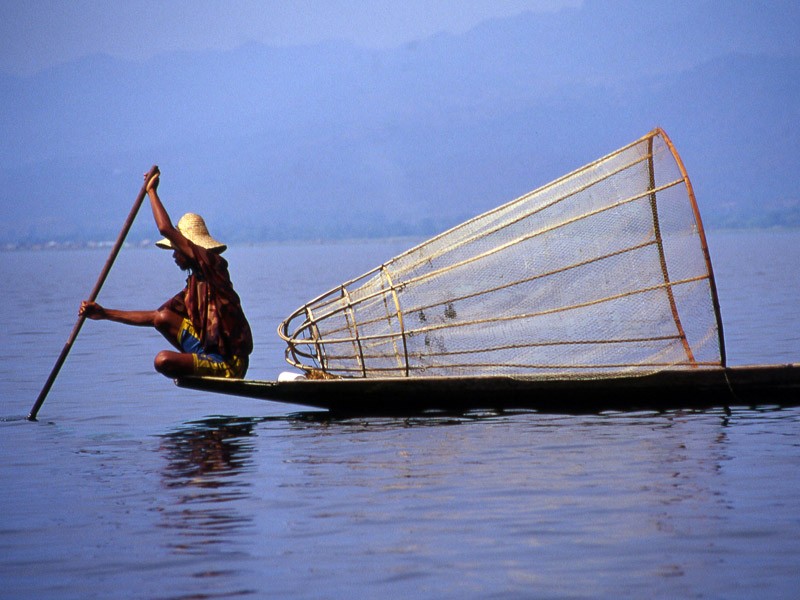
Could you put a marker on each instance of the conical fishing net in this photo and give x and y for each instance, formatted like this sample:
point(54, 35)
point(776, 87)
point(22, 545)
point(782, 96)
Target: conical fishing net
point(603, 272)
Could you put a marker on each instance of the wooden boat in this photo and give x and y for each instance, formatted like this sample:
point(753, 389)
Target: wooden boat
point(593, 292)
point(683, 389)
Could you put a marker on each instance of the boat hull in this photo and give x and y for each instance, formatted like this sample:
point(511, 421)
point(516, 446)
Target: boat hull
point(685, 388)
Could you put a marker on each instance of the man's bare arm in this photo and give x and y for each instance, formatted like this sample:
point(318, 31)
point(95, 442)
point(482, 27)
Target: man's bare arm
point(140, 318)
point(163, 222)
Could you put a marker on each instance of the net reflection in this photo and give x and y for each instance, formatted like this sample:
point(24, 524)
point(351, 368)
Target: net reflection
point(205, 461)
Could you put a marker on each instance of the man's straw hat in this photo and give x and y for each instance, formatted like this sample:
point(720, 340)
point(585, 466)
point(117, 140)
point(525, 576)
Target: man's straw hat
point(193, 227)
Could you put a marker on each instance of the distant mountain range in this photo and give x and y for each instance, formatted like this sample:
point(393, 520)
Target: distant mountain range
point(333, 140)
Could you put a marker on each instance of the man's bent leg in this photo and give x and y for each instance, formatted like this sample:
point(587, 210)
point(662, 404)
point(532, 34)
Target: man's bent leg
point(193, 360)
point(174, 364)
point(169, 325)
point(181, 364)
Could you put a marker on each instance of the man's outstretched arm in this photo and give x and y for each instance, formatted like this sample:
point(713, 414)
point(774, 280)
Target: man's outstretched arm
point(140, 318)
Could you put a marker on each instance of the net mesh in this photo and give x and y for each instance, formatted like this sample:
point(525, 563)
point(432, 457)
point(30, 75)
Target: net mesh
point(602, 272)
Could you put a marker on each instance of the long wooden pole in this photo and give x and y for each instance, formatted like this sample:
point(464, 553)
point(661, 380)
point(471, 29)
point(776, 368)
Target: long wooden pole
point(95, 291)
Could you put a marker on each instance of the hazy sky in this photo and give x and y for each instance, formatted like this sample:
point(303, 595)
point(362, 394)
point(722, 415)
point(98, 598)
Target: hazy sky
point(36, 34)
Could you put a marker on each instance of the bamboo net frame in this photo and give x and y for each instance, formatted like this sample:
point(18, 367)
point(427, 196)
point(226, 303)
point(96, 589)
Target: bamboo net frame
point(604, 271)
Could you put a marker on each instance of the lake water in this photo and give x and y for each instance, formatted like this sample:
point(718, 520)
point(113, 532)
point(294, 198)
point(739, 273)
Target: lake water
point(128, 487)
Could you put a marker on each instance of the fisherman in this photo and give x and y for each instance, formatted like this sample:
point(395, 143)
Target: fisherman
point(204, 322)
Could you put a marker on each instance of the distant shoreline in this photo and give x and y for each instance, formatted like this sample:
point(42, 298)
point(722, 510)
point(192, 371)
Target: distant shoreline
point(412, 239)
point(150, 244)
